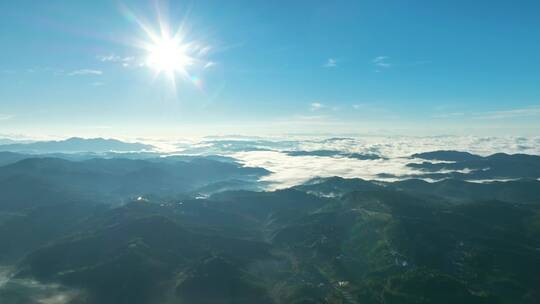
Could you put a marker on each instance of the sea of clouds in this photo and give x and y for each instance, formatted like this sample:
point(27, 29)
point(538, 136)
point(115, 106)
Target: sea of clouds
point(271, 153)
point(395, 152)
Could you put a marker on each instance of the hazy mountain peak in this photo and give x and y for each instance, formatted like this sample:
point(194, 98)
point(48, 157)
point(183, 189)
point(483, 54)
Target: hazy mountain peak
point(447, 155)
point(77, 144)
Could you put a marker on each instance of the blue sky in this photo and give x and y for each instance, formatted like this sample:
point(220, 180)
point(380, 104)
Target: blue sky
point(397, 67)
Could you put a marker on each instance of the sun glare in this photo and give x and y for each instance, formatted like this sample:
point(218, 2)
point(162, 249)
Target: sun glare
point(169, 52)
point(169, 55)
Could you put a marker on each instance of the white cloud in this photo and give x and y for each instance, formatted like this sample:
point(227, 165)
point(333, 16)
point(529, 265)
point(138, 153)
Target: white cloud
point(209, 64)
point(85, 72)
point(34, 70)
point(372, 109)
point(307, 119)
point(203, 51)
point(292, 170)
point(382, 61)
point(126, 61)
point(111, 58)
point(316, 106)
point(449, 115)
point(115, 58)
point(5, 117)
point(512, 113)
point(330, 63)
point(313, 124)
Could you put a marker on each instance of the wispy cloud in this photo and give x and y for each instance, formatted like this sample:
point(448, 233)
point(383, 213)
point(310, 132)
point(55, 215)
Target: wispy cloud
point(85, 72)
point(313, 124)
point(330, 63)
point(5, 117)
point(382, 62)
point(512, 113)
point(125, 61)
point(110, 58)
point(115, 58)
point(209, 64)
point(449, 115)
point(373, 109)
point(203, 50)
point(34, 70)
point(309, 118)
point(315, 106)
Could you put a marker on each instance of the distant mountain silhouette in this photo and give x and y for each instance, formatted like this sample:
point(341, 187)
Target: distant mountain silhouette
point(10, 157)
point(447, 155)
point(463, 165)
point(38, 180)
point(336, 186)
point(452, 190)
point(76, 144)
point(7, 141)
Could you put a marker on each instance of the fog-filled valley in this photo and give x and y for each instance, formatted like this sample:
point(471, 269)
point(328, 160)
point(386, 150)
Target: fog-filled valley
point(105, 221)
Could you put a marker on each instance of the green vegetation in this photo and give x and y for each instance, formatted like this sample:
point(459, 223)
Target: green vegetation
point(403, 242)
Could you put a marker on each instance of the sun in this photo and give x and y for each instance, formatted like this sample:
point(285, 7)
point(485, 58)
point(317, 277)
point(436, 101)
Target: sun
point(173, 52)
point(168, 54)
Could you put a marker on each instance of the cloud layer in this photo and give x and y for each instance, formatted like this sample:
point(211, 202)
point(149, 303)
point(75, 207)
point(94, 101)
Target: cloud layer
point(330, 63)
point(85, 72)
point(288, 170)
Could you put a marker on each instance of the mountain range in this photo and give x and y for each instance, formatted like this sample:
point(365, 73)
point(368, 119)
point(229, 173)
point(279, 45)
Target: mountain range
point(76, 144)
point(200, 229)
point(463, 165)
